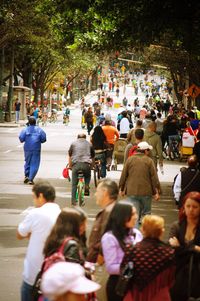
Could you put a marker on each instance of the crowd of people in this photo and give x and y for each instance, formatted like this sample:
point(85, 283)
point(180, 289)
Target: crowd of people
point(161, 270)
point(125, 237)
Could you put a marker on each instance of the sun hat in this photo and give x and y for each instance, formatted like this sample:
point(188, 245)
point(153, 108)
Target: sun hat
point(144, 145)
point(63, 277)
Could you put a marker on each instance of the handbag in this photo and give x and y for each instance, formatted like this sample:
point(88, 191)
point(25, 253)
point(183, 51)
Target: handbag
point(123, 282)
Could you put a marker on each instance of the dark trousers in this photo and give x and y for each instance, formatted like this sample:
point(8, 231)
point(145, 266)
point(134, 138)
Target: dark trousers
point(86, 169)
point(110, 289)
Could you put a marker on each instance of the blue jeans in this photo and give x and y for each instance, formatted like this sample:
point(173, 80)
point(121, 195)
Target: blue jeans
point(26, 292)
point(142, 204)
point(102, 158)
point(32, 163)
point(17, 116)
point(86, 169)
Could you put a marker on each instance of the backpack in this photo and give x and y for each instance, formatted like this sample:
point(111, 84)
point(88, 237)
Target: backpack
point(47, 263)
point(132, 151)
point(67, 111)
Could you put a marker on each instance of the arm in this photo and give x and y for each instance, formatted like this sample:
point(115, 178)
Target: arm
point(22, 136)
point(110, 247)
point(123, 177)
point(177, 188)
point(43, 137)
point(25, 228)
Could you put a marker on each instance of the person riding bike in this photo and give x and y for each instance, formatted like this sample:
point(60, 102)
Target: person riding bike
point(66, 115)
point(81, 154)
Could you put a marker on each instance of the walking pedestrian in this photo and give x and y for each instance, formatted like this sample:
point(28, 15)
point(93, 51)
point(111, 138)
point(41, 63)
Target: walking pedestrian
point(33, 137)
point(17, 107)
point(119, 234)
point(89, 119)
point(154, 264)
point(139, 180)
point(184, 236)
point(187, 180)
point(81, 154)
point(35, 227)
point(106, 197)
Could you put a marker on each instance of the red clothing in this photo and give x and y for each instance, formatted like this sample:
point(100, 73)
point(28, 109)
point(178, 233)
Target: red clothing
point(157, 290)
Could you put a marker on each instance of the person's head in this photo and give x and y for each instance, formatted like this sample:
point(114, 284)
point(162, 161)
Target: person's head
point(122, 218)
point(43, 192)
point(152, 226)
point(67, 225)
point(191, 207)
point(139, 123)
point(81, 135)
point(152, 127)
point(159, 115)
point(66, 281)
point(192, 161)
point(144, 147)
point(108, 117)
point(139, 134)
point(32, 120)
point(107, 122)
point(98, 133)
point(124, 114)
point(107, 192)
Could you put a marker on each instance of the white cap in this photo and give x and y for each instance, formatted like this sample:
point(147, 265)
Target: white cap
point(63, 277)
point(144, 145)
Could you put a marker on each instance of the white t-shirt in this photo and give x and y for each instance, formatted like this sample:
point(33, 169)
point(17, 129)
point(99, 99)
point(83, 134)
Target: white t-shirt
point(39, 223)
point(124, 126)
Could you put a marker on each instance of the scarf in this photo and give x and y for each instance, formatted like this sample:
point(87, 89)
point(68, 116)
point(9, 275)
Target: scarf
point(150, 257)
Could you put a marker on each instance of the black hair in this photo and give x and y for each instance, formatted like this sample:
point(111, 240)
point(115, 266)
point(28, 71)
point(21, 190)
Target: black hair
point(119, 216)
point(32, 120)
point(139, 134)
point(46, 189)
point(98, 136)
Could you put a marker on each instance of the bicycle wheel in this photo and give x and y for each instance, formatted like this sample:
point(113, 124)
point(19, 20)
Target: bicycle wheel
point(80, 195)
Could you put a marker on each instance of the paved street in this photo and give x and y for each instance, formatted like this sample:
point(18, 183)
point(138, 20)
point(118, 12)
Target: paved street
point(15, 197)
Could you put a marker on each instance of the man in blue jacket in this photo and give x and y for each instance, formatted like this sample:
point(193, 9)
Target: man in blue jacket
point(33, 136)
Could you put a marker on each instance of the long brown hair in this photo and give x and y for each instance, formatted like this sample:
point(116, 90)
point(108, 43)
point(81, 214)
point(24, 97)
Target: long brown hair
point(67, 225)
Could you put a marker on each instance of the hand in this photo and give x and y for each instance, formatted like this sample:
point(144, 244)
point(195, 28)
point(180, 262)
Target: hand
point(197, 248)
point(122, 193)
point(156, 196)
point(173, 241)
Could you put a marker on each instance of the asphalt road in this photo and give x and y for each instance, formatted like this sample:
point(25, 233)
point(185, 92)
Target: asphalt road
point(16, 198)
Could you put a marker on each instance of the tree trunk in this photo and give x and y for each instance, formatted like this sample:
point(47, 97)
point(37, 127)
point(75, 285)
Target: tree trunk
point(10, 90)
point(1, 83)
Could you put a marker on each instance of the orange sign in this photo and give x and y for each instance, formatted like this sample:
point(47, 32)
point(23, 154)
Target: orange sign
point(193, 91)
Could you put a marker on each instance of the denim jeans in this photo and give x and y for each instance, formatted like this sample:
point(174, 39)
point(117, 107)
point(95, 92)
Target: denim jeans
point(26, 292)
point(142, 204)
point(86, 169)
point(17, 116)
point(102, 158)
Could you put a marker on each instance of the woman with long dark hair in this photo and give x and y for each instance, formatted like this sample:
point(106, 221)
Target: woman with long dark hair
point(184, 236)
point(66, 226)
point(119, 233)
point(98, 140)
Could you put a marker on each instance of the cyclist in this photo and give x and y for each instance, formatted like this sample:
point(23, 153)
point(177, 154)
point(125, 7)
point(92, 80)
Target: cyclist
point(66, 115)
point(81, 154)
point(99, 142)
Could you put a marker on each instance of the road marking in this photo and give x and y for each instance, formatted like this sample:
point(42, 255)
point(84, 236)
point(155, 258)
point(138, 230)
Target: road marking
point(8, 151)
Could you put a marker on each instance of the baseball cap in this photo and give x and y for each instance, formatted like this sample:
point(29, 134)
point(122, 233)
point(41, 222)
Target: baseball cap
point(63, 277)
point(144, 145)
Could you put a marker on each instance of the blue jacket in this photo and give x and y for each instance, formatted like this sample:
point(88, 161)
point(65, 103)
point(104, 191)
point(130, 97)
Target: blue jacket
point(33, 136)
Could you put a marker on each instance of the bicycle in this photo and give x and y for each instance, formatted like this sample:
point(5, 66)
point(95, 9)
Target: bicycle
point(80, 191)
point(97, 171)
point(65, 119)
